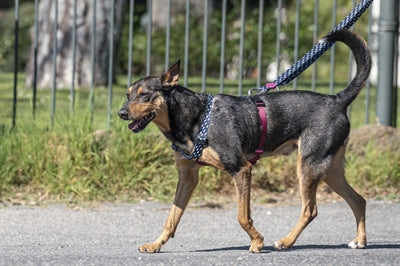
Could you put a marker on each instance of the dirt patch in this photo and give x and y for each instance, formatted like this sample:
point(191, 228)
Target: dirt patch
point(382, 137)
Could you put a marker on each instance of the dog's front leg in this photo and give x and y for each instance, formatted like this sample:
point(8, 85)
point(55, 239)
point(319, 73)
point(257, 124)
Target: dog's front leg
point(242, 181)
point(188, 179)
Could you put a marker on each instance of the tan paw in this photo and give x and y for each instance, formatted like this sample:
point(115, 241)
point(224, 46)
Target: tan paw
point(280, 245)
point(150, 248)
point(257, 245)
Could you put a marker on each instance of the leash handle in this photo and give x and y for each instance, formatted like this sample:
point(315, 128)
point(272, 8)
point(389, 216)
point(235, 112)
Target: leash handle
point(319, 49)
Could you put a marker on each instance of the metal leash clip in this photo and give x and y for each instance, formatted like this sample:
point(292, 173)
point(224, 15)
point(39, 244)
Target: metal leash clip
point(264, 89)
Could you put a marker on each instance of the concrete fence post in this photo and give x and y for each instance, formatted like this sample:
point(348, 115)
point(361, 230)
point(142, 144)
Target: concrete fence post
point(387, 62)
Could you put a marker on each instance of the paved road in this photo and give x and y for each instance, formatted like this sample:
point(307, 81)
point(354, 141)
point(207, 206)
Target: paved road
point(111, 235)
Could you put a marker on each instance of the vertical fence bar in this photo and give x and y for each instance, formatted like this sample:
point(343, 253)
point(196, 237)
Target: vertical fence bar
point(167, 37)
point(72, 106)
point(149, 29)
point(278, 38)
point(92, 58)
point(54, 82)
point(16, 31)
point(205, 33)
point(368, 86)
point(187, 26)
point(241, 45)
point(35, 54)
point(131, 16)
point(296, 38)
point(260, 41)
point(222, 57)
point(350, 73)
point(315, 37)
point(333, 49)
point(110, 64)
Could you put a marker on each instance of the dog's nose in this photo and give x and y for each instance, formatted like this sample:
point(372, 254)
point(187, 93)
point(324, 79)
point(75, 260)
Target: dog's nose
point(123, 113)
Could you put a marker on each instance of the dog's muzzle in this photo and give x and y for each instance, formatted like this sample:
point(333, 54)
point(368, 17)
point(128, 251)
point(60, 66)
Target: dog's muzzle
point(136, 125)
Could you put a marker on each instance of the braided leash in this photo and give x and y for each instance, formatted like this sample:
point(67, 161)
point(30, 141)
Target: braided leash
point(320, 48)
point(201, 136)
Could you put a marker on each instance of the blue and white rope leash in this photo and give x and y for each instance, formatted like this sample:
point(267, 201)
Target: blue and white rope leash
point(320, 48)
point(201, 139)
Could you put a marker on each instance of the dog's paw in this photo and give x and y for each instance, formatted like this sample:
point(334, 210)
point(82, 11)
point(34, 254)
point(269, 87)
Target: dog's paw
point(257, 245)
point(280, 245)
point(150, 248)
point(356, 245)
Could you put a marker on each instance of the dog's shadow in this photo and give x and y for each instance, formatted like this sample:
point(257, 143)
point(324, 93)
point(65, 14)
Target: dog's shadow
point(303, 247)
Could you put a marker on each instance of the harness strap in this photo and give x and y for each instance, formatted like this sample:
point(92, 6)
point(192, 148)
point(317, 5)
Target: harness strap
point(263, 119)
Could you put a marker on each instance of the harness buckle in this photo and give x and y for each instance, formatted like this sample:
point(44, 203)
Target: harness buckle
point(258, 151)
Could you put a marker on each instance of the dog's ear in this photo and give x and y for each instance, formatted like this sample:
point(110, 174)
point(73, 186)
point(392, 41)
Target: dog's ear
point(170, 78)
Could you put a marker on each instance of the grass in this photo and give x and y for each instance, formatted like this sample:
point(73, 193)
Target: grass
point(376, 170)
point(78, 159)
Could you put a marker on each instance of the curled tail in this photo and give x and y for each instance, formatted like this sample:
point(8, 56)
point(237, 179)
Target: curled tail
point(360, 50)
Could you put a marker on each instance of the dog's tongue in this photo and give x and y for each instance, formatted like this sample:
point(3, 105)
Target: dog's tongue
point(134, 125)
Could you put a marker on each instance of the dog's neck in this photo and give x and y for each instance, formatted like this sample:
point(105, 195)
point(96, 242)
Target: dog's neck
point(185, 112)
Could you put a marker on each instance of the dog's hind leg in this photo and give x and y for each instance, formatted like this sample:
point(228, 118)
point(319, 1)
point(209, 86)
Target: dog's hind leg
point(188, 179)
point(309, 177)
point(242, 180)
point(336, 180)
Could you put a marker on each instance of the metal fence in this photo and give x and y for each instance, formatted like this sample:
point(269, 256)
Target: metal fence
point(222, 75)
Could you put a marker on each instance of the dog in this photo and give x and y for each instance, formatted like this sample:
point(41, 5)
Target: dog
point(314, 124)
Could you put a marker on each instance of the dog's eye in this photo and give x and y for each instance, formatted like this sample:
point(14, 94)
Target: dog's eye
point(127, 96)
point(145, 95)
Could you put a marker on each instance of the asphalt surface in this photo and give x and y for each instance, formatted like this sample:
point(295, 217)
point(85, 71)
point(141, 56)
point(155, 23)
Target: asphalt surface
point(112, 234)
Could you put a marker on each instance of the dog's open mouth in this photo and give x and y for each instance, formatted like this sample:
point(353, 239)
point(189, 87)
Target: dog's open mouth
point(138, 125)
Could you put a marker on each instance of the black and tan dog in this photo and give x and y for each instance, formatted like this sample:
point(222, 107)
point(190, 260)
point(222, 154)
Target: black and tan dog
point(314, 124)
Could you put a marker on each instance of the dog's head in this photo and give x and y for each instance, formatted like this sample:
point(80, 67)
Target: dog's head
point(147, 102)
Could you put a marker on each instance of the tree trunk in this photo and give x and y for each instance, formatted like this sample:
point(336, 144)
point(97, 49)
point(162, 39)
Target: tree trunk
point(84, 17)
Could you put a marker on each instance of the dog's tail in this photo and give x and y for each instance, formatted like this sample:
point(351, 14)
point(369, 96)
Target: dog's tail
point(360, 50)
